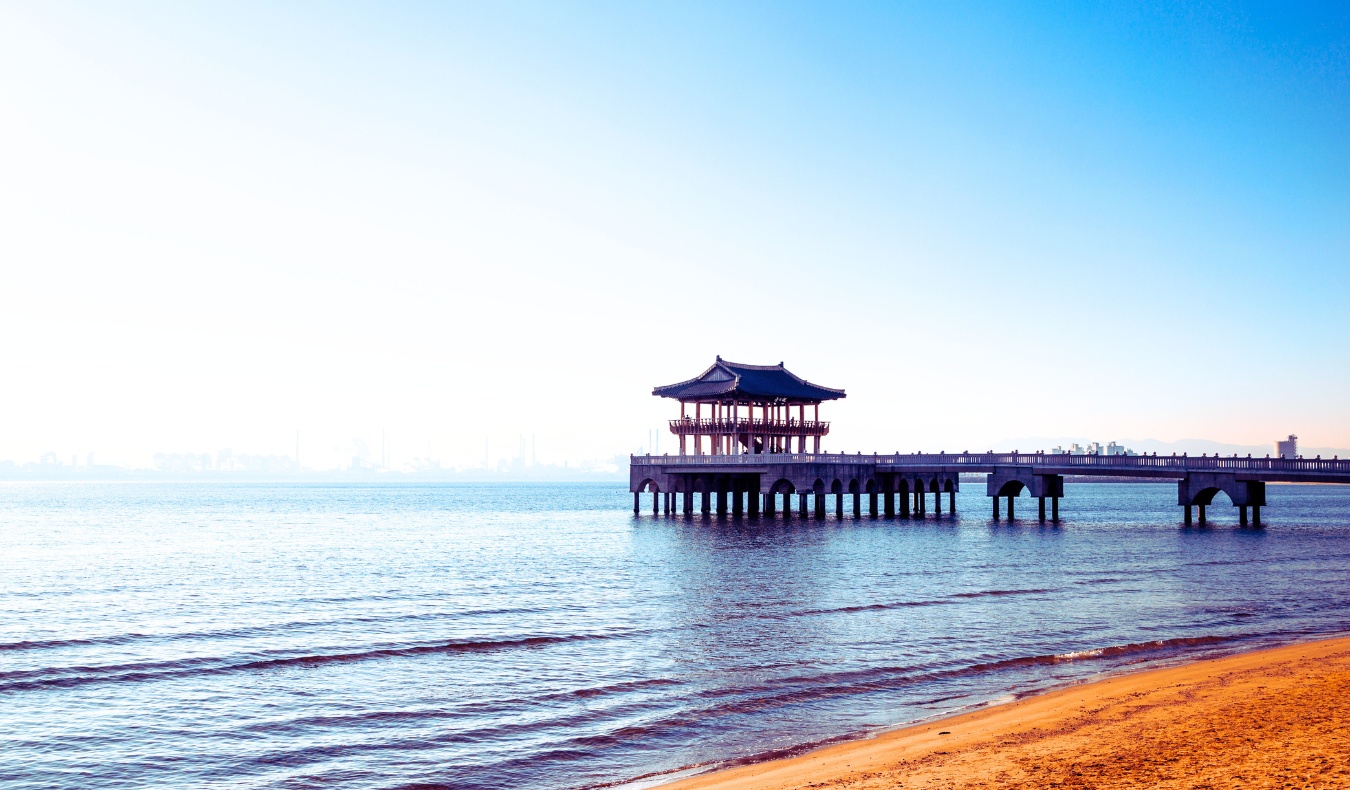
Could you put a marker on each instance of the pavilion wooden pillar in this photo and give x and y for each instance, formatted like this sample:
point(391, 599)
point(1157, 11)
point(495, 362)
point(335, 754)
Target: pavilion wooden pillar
point(816, 428)
point(713, 433)
point(698, 437)
point(682, 419)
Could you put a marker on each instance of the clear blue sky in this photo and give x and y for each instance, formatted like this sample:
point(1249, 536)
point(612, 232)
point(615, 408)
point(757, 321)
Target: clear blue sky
point(222, 223)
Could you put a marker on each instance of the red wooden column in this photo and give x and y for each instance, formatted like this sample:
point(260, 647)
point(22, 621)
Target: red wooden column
point(712, 428)
point(682, 419)
point(815, 417)
point(698, 438)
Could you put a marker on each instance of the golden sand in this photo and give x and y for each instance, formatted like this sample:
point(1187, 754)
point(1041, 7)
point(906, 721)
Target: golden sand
point(1270, 718)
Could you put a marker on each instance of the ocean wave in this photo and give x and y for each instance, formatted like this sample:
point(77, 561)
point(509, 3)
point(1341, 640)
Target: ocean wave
point(950, 599)
point(62, 677)
point(253, 631)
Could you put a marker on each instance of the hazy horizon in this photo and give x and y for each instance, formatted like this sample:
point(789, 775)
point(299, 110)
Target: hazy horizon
point(223, 224)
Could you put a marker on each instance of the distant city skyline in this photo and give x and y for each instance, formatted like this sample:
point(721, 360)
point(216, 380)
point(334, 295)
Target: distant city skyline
point(223, 224)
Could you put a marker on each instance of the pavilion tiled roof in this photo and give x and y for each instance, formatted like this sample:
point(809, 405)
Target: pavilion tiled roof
point(757, 382)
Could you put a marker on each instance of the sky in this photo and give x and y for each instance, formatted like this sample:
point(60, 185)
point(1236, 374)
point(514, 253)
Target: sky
point(454, 225)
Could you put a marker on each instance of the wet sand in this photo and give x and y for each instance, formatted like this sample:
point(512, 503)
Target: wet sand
point(1270, 718)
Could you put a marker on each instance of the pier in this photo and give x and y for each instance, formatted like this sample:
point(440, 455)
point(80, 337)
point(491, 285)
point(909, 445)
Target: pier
point(756, 414)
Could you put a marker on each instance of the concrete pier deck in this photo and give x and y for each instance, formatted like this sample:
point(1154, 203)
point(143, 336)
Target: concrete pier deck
point(899, 483)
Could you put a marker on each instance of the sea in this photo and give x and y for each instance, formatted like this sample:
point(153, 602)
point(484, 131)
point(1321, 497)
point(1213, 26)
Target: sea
point(542, 636)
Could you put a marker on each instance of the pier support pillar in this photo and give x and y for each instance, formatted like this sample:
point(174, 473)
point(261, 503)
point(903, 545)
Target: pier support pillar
point(637, 502)
point(1010, 507)
point(801, 504)
point(889, 506)
point(770, 503)
point(1188, 515)
point(752, 500)
point(951, 502)
point(1040, 509)
point(1054, 509)
point(857, 504)
point(820, 504)
point(706, 504)
point(1201, 518)
point(737, 504)
point(995, 507)
point(904, 504)
point(1242, 515)
point(937, 503)
point(721, 501)
point(872, 504)
point(656, 503)
point(839, 505)
point(688, 503)
point(1256, 515)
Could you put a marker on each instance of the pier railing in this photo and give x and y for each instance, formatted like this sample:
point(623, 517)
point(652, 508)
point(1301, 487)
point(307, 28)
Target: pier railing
point(1097, 463)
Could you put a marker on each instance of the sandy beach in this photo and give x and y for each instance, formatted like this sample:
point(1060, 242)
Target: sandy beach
point(1269, 718)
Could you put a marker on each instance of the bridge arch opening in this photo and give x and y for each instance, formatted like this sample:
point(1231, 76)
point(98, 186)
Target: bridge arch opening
point(1206, 496)
point(783, 486)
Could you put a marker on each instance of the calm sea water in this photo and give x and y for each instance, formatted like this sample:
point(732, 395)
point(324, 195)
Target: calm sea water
point(184, 635)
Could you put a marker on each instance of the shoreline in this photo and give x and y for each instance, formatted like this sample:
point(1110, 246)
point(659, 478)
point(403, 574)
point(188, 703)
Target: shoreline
point(1261, 712)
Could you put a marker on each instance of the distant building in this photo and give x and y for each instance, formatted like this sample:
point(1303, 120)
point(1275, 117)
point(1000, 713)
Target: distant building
point(1287, 448)
point(1093, 448)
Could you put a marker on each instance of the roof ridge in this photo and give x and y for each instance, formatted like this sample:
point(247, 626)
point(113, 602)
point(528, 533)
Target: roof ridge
point(779, 366)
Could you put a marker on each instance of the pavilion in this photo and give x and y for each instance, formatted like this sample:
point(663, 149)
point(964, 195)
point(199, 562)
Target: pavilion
point(748, 409)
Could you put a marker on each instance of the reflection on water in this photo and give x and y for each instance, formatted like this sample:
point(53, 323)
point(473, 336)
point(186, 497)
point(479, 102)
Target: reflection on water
point(541, 636)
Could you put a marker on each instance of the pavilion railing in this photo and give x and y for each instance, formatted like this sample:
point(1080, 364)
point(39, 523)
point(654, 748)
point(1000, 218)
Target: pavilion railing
point(1180, 463)
point(691, 426)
